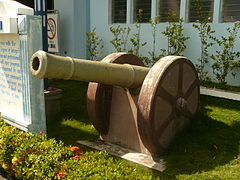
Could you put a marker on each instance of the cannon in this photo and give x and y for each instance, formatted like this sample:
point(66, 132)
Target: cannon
point(138, 107)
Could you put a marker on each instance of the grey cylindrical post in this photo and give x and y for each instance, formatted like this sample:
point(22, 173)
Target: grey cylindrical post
point(45, 65)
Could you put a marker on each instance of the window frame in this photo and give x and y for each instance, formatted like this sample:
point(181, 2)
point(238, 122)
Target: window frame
point(111, 14)
point(222, 14)
point(134, 15)
point(188, 12)
point(158, 10)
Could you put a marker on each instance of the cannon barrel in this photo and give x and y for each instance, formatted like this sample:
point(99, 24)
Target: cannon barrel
point(45, 65)
point(147, 120)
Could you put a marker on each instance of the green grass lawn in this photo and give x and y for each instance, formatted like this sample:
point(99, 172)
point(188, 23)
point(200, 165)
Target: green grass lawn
point(208, 149)
point(72, 124)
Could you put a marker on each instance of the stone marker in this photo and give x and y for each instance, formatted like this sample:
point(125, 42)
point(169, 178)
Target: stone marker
point(21, 95)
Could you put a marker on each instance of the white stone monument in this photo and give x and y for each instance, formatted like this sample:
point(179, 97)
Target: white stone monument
point(21, 95)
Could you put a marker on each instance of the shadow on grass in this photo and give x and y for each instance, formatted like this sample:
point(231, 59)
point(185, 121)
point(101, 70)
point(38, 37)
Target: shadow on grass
point(206, 143)
point(73, 102)
point(69, 131)
point(72, 123)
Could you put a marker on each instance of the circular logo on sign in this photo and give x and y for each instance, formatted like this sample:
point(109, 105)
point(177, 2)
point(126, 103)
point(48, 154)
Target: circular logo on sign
point(51, 28)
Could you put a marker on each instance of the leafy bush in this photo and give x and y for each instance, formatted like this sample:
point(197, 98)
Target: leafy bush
point(95, 45)
point(27, 156)
point(207, 38)
point(136, 39)
point(175, 37)
point(226, 59)
point(120, 39)
point(153, 22)
point(174, 34)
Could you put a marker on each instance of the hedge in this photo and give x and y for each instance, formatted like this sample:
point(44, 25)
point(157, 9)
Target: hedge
point(28, 156)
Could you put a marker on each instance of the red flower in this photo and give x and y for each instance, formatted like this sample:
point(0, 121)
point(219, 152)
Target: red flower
point(41, 133)
point(76, 157)
point(60, 175)
point(76, 150)
point(12, 166)
point(30, 150)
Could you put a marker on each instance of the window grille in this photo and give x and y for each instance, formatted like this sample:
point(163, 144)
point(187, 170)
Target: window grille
point(165, 7)
point(119, 11)
point(204, 12)
point(145, 7)
point(231, 10)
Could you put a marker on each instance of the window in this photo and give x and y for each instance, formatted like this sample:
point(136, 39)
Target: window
point(231, 10)
point(165, 7)
point(142, 11)
point(200, 9)
point(119, 11)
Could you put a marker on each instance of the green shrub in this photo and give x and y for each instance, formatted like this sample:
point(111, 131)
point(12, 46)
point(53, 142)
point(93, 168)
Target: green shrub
point(95, 45)
point(227, 59)
point(174, 34)
point(27, 156)
point(154, 57)
point(136, 40)
point(120, 39)
point(207, 38)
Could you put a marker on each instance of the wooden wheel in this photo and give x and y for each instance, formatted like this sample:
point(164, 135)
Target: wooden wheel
point(168, 99)
point(99, 96)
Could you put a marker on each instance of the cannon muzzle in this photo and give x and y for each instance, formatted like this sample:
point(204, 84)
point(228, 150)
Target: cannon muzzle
point(45, 65)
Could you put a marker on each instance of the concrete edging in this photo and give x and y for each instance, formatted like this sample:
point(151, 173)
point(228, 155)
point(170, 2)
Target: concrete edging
point(127, 154)
point(220, 93)
point(2, 178)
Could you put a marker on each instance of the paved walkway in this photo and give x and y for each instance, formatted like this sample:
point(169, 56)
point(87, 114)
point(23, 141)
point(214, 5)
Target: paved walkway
point(2, 178)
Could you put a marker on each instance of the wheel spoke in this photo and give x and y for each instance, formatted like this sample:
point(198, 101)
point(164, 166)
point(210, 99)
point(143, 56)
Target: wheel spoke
point(166, 95)
point(180, 78)
point(190, 89)
point(166, 123)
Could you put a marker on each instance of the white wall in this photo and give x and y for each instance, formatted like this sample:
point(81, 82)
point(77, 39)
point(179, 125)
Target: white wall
point(74, 23)
point(80, 16)
point(99, 14)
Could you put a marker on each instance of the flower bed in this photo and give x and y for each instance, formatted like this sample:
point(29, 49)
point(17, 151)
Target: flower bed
point(27, 156)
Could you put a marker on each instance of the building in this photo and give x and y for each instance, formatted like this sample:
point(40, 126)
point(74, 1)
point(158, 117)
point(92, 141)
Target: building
point(80, 16)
